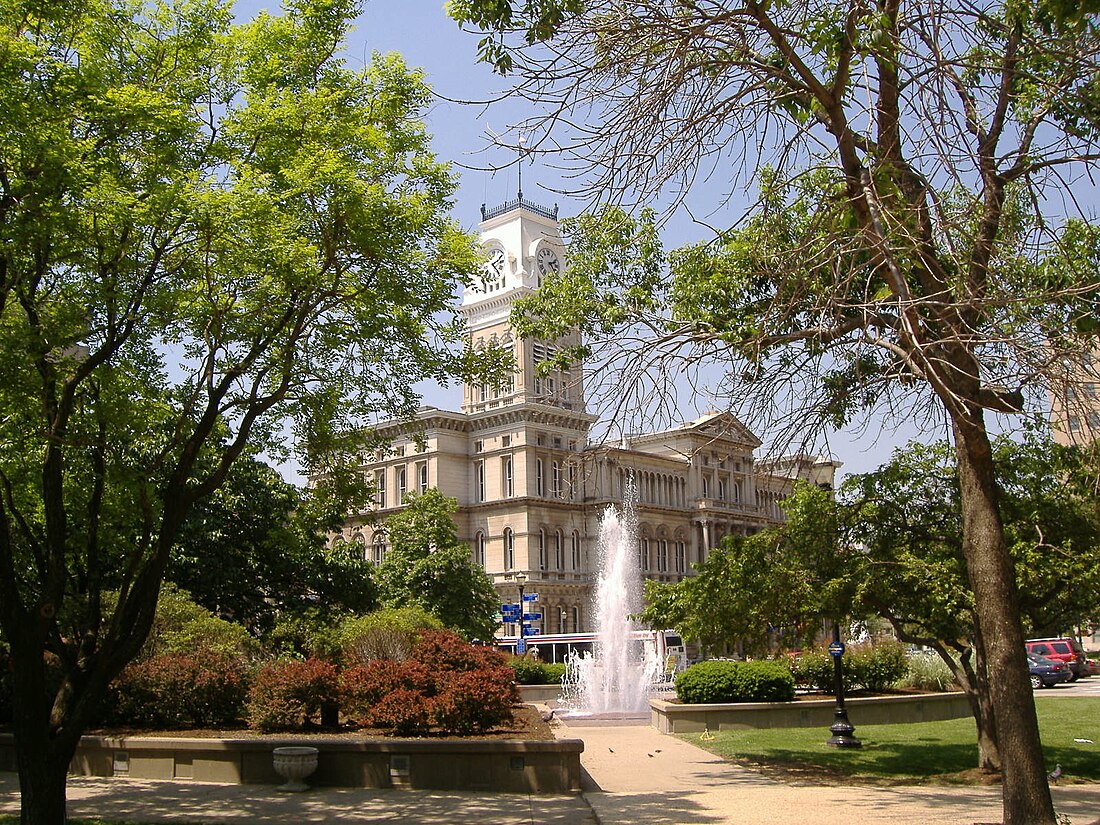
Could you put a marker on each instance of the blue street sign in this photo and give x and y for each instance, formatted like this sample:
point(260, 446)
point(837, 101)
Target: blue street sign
point(521, 646)
point(836, 649)
point(531, 631)
point(509, 609)
point(528, 617)
point(530, 597)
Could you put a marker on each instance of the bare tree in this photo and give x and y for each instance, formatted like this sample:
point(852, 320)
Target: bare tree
point(919, 239)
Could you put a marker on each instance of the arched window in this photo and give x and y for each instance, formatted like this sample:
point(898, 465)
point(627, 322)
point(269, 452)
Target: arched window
point(378, 548)
point(576, 550)
point(509, 549)
point(479, 548)
point(559, 551)
point(542, 549)
point(576, 619)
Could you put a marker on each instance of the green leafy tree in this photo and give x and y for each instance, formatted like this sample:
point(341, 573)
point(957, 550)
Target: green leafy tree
point(426, 565)
point(206, 231)
point(909, 248)
point(774, 589)
point(255, 549)
point(907, 518)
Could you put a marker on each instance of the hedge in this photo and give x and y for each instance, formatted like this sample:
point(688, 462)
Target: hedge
point(533, 672)
point(718, 682)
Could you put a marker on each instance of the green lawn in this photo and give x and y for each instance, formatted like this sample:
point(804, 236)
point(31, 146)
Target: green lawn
point(931, 751)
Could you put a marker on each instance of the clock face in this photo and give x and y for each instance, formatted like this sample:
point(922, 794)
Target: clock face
point(494, 268)
point(548, 261)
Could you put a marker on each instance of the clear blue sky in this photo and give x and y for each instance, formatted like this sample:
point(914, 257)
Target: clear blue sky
point(427, 38)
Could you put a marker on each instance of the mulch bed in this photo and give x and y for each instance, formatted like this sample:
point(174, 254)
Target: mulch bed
point(526, 724)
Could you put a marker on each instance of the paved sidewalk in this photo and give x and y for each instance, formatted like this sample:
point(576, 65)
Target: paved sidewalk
point(637, 776)
point(200, 803)
point(634, 776)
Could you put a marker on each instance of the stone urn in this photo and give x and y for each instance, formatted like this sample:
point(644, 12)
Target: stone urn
point(294, 764)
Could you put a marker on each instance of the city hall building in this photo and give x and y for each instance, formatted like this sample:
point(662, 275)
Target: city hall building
point(531, 486)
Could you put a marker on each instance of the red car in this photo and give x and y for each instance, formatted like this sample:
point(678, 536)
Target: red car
point(1062, 649)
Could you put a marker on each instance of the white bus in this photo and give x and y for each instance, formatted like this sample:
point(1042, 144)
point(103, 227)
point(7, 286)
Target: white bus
point(553, 647)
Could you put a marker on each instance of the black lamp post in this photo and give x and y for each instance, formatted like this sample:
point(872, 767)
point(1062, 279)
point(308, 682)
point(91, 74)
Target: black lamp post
point(842, 730)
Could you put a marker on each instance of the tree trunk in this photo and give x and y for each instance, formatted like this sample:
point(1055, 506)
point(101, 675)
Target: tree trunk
point(1000, 639)
point(975, 686)
point(41, 787)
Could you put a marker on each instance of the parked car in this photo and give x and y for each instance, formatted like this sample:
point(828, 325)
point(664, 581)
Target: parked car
point(1046, 672)
point(1063, 650)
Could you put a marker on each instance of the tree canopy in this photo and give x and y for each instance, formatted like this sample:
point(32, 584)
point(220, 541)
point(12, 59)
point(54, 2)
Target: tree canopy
point(208, 232)
point(256, 549)
point(426, 565)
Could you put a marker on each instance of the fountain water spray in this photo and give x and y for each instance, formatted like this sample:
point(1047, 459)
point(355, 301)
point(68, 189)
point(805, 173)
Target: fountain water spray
point(615, 679)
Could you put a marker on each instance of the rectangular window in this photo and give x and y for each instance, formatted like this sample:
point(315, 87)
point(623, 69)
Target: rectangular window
point(507, 483)
point(542, 549)
point(422, 477)
point(559, 551)
point(380, 488)
point(539, 482)
point(681, 558)
point(402, 483)
point(506, 441)
point(555, 479)
point(643, 554)
point(662, 556)
point(538, 386)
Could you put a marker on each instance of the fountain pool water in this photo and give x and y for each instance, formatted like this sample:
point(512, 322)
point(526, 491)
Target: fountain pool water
point(615, 679)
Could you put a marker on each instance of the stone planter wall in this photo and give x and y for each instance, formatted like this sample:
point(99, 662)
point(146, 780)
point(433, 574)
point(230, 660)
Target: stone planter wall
point(485, 765)
point(539, 693)
point(671, 717)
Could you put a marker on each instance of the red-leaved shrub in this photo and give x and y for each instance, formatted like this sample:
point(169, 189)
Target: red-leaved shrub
point(287, 695)
point(458, 687)
point(174, 691)
point(474, 701)
point(362, 687)
point(403, 711)
point(443, 651)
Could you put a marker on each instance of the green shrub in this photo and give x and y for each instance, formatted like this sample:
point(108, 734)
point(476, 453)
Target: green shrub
point(384, 634)
point(310, 634)
point(554, 673)
point(719, 682)
point(928, 673)
point(764, 682)
point(879, 665)
point(873, 666)
point(533, 672)
point(287, 695)
point(813, 670)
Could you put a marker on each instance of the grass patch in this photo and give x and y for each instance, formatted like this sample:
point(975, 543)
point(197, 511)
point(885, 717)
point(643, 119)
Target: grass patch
point(914, 753)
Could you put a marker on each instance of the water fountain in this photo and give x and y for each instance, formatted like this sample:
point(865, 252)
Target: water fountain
point(615, 679)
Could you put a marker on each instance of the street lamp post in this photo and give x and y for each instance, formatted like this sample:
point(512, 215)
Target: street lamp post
point(521, 579)
point(842, 730)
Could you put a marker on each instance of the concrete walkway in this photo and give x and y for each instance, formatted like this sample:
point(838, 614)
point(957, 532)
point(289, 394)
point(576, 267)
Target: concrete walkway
point(634, 776)
point(638, 776)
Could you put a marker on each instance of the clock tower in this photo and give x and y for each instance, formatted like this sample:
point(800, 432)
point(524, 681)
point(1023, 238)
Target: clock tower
point(522, 247)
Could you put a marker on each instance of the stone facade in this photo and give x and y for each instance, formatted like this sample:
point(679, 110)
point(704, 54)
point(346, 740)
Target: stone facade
point(531, 486)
